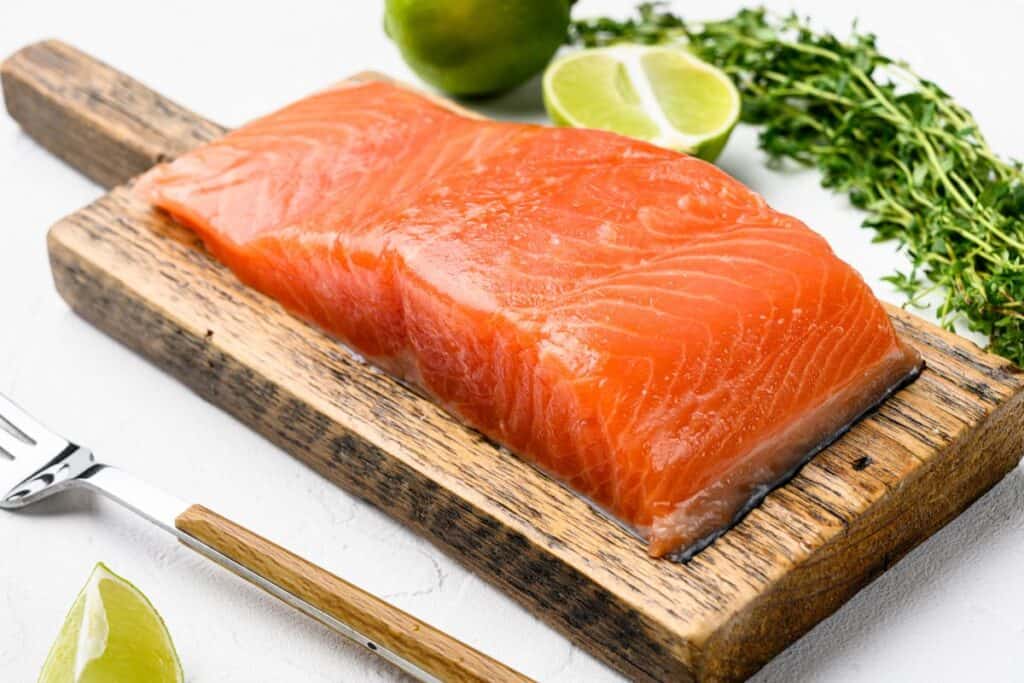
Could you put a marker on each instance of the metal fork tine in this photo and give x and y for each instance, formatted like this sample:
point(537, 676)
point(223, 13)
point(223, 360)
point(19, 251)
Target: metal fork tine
point(21, 420)
point(24, 426)
point(11, 446)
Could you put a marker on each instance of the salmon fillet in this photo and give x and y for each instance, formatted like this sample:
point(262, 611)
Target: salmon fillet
point(631, 319)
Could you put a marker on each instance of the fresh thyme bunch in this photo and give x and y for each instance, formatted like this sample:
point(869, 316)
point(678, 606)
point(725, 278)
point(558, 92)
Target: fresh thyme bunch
point(897, 144)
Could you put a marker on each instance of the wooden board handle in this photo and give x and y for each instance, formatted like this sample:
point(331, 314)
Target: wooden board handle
point(383, 624)
point(100, 121)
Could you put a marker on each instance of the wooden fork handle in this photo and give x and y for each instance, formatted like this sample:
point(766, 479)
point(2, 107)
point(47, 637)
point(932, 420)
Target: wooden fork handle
point(383, 625)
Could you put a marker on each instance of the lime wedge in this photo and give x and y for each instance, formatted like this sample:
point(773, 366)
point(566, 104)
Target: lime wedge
point(112, 634)
point(663, 95)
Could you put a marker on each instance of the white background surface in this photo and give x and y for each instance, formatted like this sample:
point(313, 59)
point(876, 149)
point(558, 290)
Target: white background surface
point(951, 610)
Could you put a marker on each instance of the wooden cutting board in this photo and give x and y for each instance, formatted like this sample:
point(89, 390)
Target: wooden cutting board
point(852, 512)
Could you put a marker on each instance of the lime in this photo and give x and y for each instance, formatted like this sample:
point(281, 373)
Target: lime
point(663, 95)
point(476, 47)
point(112, 634)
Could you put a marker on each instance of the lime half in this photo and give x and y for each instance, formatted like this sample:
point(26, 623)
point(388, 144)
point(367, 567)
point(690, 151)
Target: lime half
point(112, 634)
point(663, 95)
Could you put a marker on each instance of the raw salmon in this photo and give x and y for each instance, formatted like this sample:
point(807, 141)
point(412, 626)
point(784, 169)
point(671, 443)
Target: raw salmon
point(629, 318)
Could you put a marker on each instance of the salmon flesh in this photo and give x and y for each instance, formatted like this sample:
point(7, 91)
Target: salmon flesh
point(631, 319)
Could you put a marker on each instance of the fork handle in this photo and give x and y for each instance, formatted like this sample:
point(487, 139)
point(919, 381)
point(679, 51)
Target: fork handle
point(374, 623)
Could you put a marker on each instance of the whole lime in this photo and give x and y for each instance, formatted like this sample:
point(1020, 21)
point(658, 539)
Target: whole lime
point(476, 47)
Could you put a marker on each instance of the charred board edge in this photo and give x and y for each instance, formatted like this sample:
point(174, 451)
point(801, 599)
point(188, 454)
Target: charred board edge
point(928, 500)
point(634, 644)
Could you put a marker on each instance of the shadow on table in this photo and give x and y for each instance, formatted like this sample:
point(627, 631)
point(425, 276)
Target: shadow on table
point(999, 512)
point(69, 502)
point(525, 103)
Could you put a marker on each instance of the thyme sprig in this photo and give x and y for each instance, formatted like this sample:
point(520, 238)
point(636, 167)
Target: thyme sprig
point(897, 144)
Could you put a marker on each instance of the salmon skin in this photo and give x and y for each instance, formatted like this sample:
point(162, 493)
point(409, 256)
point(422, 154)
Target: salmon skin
point(631, 319)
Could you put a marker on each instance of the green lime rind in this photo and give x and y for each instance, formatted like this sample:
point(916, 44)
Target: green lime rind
point(476, 48)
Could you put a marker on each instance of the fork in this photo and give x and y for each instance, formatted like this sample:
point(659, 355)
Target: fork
point(40, 463)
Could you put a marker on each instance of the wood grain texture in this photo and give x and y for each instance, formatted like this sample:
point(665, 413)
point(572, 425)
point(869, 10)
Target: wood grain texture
point(94, 117)
point(433, 651)
point(854, 510)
